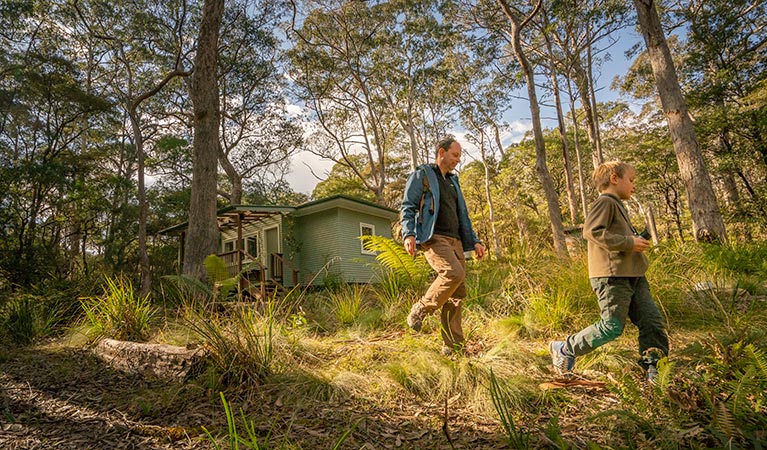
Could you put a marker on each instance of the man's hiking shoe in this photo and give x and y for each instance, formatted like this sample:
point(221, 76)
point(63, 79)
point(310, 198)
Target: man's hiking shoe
point(416, 316)
point(652, 374)
point(562, 363)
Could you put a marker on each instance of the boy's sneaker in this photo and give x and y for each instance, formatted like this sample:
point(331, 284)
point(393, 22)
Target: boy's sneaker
point(652, 374)
point(416, 316)
point(562, 363)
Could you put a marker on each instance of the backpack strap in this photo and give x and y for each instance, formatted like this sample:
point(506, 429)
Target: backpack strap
point(426, 189)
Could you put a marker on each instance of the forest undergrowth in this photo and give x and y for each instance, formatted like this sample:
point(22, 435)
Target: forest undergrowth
point(337, 367)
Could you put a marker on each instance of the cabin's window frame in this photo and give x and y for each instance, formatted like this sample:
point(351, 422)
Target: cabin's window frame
point(372, 228)
point(257, 238)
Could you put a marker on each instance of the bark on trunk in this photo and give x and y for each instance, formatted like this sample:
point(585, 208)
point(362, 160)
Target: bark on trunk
point(707, 221)
point(235, 179)
point(202, 234)
point(582, 84)
point(552, 200)
point(569, 185)
point(162, 361)
point(579, 160)
point(490, 206)
point(143, 255)
point(599, 156)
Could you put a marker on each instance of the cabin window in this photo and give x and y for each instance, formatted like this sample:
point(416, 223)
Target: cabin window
point(366, 230)
point(228, 246)
point(253, 246)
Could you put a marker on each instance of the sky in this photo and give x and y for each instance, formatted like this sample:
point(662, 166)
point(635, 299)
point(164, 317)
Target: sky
point(302, 180)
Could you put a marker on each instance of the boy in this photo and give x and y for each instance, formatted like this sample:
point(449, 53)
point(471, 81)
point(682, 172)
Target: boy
point(617, 265)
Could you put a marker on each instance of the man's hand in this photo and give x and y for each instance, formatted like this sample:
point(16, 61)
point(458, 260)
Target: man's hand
point(479, 249)
point(640, 244)
point(410, 245)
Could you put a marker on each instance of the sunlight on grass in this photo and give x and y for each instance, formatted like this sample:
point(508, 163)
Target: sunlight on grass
point(120, 313)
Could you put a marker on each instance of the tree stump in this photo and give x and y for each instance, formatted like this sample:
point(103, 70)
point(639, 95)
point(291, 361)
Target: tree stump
point(162, 361)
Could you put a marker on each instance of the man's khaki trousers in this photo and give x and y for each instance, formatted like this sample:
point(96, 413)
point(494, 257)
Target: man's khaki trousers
point(445, 255)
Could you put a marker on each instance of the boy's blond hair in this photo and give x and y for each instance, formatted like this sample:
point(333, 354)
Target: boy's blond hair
point(605, 170)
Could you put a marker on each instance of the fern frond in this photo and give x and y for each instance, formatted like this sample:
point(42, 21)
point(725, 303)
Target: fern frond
point(189, 284)
point(744, 386)
point(216, 267)
point(759, 358)
point(665, 372)
point(394, 257)
point(725, 421)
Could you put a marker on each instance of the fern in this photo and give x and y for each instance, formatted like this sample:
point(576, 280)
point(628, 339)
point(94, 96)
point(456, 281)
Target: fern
point(665, 373)
point(743, 387)
point(759, 358)
point(394, 257)
point(218, 274)
point(724, 421)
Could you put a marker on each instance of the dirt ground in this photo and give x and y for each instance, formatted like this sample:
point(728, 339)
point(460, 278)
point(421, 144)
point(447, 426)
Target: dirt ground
point(54, 397)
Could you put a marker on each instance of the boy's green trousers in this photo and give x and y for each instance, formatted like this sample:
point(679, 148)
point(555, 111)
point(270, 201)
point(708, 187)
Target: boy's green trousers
point(619, 298)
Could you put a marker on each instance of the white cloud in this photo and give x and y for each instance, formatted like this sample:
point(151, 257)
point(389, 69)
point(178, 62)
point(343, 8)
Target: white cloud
point(301, 178)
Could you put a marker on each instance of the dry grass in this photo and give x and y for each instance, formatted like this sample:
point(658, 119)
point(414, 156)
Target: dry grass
point(328, 374)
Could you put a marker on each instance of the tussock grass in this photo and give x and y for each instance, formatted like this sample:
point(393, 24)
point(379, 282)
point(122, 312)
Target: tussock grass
point(349, 347)
point(120, 313)
point(347, 303)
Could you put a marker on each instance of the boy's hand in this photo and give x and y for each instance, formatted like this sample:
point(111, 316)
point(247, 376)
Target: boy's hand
point(640, 244)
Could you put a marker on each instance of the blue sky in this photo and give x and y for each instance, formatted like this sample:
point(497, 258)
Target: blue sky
point(518, 117)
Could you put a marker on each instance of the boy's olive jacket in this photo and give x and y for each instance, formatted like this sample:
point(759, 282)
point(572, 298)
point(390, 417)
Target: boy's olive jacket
point(610, 239)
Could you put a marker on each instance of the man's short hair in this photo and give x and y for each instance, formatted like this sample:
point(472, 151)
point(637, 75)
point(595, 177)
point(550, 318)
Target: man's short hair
point(605, 170)
point(445, 144)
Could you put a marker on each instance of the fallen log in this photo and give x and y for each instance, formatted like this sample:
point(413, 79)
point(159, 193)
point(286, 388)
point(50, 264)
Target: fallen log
point(162, 361)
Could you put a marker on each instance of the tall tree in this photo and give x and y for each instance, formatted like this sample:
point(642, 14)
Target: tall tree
point(256, 130)
point(724, 56)
point(706, 218)
point(202, 234)
point(517, 22)
point(553, 61)
point(145, 42)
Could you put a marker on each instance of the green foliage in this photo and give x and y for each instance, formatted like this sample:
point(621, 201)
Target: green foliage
point(26, 317)
point(412, 272)
point(742, 259)
point(241, 344)
point(119, 313)
point(191, 291)
point(517, 437)
point(250, 439)
point(347, 302)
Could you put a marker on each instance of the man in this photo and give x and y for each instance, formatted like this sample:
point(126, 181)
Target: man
point(434, 217)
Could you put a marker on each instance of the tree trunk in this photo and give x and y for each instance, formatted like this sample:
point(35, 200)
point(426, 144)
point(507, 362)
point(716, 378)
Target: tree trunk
point(552, 200)
point(143, 255)
point(707, 221)
point(598, 157)
point(581, 183)
point(490, 206)
point(582, 84)
point(235, 196)
point(202, 236)
point(562, 134)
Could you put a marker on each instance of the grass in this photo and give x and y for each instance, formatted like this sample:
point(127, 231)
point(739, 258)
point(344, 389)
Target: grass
point(337, 355)
point(119, 313)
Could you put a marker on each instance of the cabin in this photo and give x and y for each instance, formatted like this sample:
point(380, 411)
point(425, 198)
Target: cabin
point(303, 245)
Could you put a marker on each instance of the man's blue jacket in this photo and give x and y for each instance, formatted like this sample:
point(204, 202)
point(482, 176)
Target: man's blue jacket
point(420, 206)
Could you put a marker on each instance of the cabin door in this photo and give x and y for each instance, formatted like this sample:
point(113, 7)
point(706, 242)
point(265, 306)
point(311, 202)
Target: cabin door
point(272, 245)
